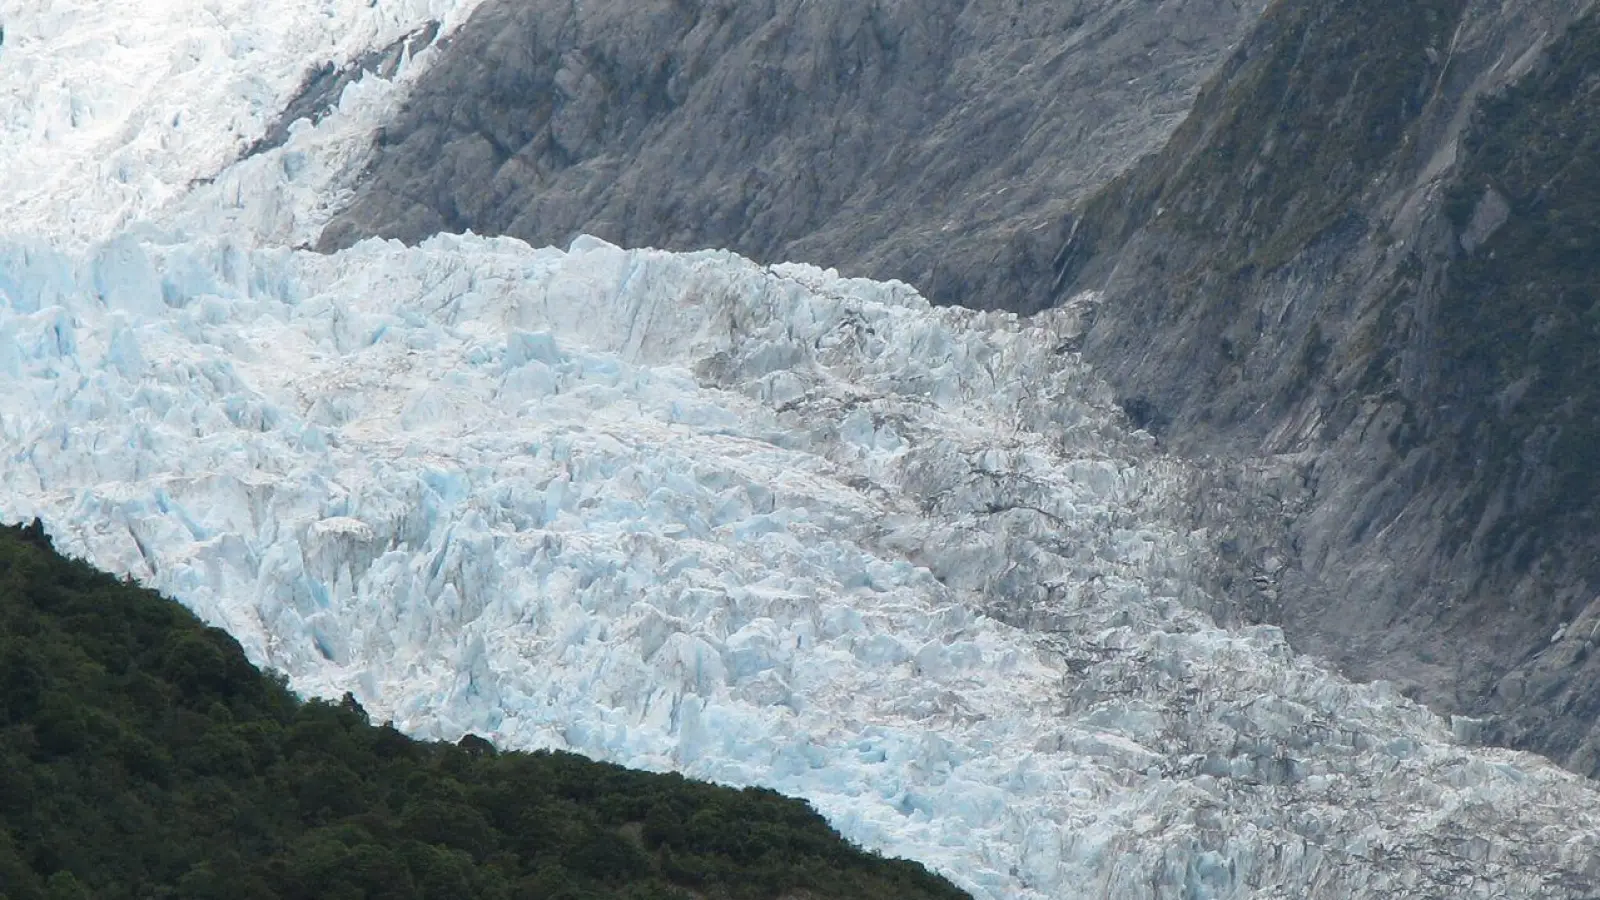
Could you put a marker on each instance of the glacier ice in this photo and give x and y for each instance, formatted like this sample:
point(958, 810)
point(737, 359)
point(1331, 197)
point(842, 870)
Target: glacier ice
point(110, 112)
point(755, 524)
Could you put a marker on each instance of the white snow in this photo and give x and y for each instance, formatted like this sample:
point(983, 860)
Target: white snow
point(762, 525)
point(111, 111)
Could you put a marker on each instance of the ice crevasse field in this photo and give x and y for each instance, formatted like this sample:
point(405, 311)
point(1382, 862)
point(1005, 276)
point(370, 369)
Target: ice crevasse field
point(757, 524)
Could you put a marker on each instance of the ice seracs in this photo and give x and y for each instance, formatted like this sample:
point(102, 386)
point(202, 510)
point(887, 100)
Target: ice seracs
point(111, 111)
point(762, 525)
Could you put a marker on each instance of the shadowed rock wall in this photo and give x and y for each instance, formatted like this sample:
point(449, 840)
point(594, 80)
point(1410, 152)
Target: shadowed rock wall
point(1362, 276)
point(937, 141)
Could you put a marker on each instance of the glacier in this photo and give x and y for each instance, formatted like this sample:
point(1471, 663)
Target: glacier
point(756, 524)
point(110, 113)
point(762, 525)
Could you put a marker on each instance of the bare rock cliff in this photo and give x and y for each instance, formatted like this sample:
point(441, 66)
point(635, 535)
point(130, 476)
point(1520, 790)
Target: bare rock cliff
point(915, 140)
point(1363, 277)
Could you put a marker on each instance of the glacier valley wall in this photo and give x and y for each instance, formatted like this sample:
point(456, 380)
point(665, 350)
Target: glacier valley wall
point(1304, 282)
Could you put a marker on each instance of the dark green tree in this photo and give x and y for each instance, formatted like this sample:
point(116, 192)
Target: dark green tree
point(142, 756)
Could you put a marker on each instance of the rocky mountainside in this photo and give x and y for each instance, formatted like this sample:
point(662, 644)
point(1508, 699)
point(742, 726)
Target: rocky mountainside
point(1353, 272)
point(898, 139)
point(1364, 265)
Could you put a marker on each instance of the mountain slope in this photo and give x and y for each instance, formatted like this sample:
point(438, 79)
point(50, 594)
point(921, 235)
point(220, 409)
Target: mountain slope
point(1323, 274)
point(912, 140)
point(141, 755)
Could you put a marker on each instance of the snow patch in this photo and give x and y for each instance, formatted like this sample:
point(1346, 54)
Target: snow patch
point(111, 111)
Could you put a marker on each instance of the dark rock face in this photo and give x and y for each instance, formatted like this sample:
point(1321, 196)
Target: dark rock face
point(936, 141)
point(1377, 289)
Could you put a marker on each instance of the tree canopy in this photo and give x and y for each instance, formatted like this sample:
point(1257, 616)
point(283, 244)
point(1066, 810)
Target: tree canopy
point(142, 756)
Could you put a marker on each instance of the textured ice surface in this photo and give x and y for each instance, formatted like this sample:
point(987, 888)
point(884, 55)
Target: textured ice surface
point(757, 525)
point(110, 111)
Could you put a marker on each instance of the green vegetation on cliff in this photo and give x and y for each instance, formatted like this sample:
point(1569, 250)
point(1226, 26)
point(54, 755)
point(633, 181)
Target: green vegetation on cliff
point(142, 756)
point(1519, 318)
point(1282, 143)
point(1216, 248)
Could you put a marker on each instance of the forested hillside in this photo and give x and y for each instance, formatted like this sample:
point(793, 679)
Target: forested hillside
point(141, 755)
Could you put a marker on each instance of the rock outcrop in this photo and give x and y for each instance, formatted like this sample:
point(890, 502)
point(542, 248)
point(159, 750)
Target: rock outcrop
point(1364, 267)
point(895, 139)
